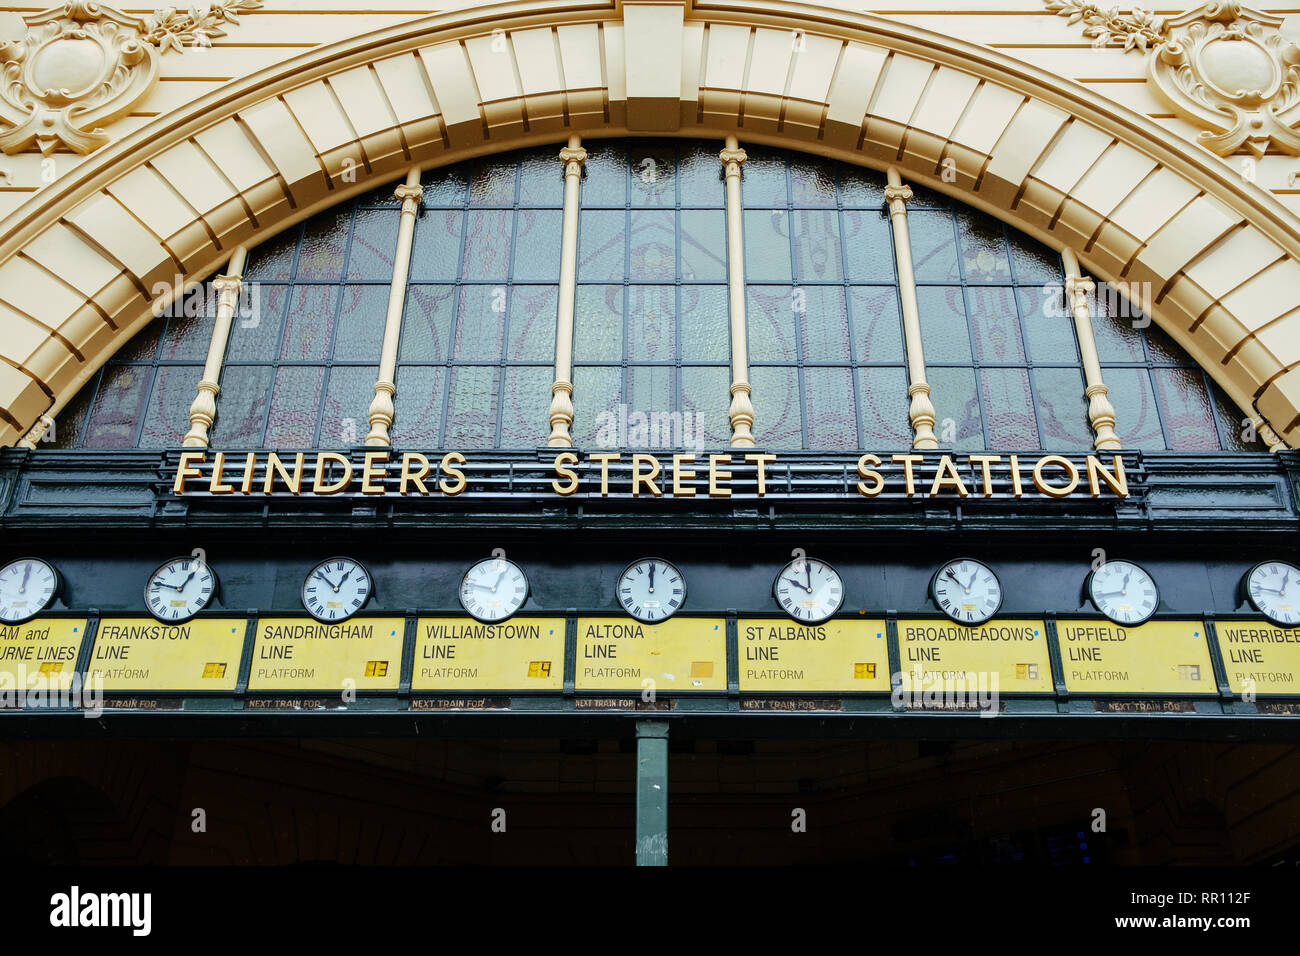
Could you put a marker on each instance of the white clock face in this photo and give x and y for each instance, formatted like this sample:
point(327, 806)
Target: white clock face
point(651, 590)
point(809, 590)
point(1123, 592)
point(493, 589)
point(967, 591)
point(1273, 588)
point(27, 586)
point(179, 589)
point(336, 589)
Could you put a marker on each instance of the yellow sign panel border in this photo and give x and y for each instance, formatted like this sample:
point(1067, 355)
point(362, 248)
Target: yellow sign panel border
point(1043, 685)
point(706, 666)
point(871, 683)
point(547, 654)
point(1208, 680)
point(362, 683)
point(1224, 646)
point(225, 681)
point(77, 641)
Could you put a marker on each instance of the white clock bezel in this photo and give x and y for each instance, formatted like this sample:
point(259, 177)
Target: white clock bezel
point(979, 621)
point(1092, 598)
point(460, 591)
point(1250, 598)
point(189, 559)
point(839, 605)
point(370, 589)
point(54, 592)
point(618, 590)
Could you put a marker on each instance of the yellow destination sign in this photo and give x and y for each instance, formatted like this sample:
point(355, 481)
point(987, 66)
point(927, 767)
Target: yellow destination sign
point(840, 655)
point(1260, 657)
point(681, 654)
point(47, 647)
point(142, 654)
point(1160, 657)
point(938, 653)
point(294, 653)
point(460, 653)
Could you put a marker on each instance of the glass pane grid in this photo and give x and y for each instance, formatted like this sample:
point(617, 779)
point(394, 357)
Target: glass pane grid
point(652, 323)
point(477, 345)
point(838, 323)
point(651, 315)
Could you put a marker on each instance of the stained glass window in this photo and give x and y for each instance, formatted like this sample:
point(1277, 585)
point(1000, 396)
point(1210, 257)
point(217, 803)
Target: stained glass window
point(304, 345)
point(651, 328)
point(824, 322)
point(141, 398)
point(652, 341)
point(1162, 398)
point(476, 353)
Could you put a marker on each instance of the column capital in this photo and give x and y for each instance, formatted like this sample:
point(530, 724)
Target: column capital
point(226, 284)
point(733, 157)
point(900, 193)
point(573, 157)
point(408, 193)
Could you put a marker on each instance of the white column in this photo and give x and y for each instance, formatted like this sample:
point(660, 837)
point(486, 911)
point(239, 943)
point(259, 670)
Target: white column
point(1100, 411)
point(741, 411)
point(921, 410)
point(381, 407)
point(203, 410)
point(561, 410)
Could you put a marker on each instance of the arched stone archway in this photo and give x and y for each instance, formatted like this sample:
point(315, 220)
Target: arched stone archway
point(80, 261)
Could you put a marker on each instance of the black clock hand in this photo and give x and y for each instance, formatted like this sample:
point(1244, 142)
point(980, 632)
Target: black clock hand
point(27, 572)
point(793, 581)
point(807, 566)
point(652, 577)
point(344, 578)
point(321, 575)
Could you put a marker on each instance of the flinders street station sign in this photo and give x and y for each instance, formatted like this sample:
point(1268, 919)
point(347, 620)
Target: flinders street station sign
point(623, 474)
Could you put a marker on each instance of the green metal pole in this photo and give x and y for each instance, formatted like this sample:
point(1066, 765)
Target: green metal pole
point(652, 793)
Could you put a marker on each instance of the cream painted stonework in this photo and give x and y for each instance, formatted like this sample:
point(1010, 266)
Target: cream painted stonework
point(295, 109)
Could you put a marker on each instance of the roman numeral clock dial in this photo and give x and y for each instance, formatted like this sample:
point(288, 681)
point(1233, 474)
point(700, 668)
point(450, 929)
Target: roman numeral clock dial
point(1124, 592)
point(180, 589)
point(967, 591)
point(1272, 587)
point(336, 589)
point(493, 589)
point(27, 586)
point(651, 590)
point(809, 590)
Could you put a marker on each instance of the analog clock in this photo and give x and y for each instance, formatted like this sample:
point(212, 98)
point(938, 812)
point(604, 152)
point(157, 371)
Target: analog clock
point(336, 589)
point(1273, 588)
point(651, 590)
point(967, 591)
point(1124, 592)
point(179, 589)
point(27, 586)
point(809, 590)
point(493, 589)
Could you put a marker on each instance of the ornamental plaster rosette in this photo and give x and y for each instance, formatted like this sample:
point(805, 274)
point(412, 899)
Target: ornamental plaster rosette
point(1224, 67)
point(80, 66)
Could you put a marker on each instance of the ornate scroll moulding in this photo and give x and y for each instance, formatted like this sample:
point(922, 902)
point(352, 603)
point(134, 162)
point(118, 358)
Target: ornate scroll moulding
point(1222, 66)
point(80, 66)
